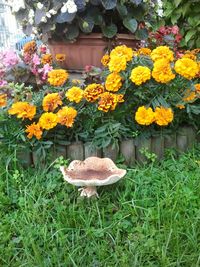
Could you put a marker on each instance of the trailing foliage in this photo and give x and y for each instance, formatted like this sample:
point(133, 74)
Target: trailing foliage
point(65, 21)
point(185, 14)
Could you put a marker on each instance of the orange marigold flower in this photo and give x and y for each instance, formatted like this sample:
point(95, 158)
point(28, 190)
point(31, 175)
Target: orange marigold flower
point(23, 110)
point(144, 116)
point(180, 106)
point(3, 100)
point(57, 77)
point(60, 57)
point(140, 75)
point(144, 51)
point(48, 120)
point(190, 55)
point(197, 88)
point(162, 71)
point(107, 102)
point(66, 116)
point(30, 48)
point(34, 130)
point(122, 51)
point(119, 98)
point(105, 60)
point(51, 102)
point(75, 94)
point(162, 52)
point(113, 82)
point(163, 116)
point(117, 64)
point(93, 91)
point(47, 59)
point(189, 96)
point(187, 68)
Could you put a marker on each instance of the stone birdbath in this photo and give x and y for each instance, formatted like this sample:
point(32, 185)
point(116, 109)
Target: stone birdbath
point(90, 173)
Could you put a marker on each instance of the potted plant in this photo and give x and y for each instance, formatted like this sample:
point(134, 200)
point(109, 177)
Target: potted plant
point(76, 27)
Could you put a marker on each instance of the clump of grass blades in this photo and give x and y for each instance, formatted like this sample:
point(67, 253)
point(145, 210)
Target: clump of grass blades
point(151, 218)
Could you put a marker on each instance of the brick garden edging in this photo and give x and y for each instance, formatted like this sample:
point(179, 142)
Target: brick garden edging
point(130, 149)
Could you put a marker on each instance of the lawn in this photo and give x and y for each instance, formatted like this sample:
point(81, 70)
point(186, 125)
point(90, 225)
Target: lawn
point(150, 218)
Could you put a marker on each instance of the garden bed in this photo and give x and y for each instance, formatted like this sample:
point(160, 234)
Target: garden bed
point(133, 151)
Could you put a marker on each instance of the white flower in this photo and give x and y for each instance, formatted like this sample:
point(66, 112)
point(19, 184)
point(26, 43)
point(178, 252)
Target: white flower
point(48, 15)
point(31, 21)
point(64, 9)
point(17, 5)
point(44, 19)
point(53, 12)
point(159, 2)
point(31, 13)
point(39, 5)
point(160, 12)
point(69, 7)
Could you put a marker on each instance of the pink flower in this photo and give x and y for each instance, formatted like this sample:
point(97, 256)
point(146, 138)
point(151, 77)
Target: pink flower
point(43, 49)
point(175, 29)
point(36, 60)
point(10, 58)
point(3, 83)
point(44, 71)
point(88, 68)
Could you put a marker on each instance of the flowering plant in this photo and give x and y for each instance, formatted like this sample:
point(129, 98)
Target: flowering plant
point(31, 66)
point(143, 91)
point(67, 19)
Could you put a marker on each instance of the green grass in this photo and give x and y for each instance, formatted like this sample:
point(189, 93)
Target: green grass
point(149, 219)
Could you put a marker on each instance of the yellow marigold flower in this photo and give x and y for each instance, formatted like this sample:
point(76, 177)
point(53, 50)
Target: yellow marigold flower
point(57, 77)
point(3, 100)
point(51, 102)
point(48, 120)
point(34, 130)
point(60, 57)
point(140, 75)
point(113, 82)
point(23, 110)
point(107, 102)
point(180, 106)
point(189, 96)
point(75, 94)
point(66, 116)
point(93, 91)
point(117, 64)
point(187, 68)
point(144, 116)
point(76, 82)
point(122, 51)
point(144, 51)
point(162, 52)
point(105, 60)
point(197, 88)
point(30, 48)
point(119, 98)
point(163, 116)
point(47, 59)
point(162, 71)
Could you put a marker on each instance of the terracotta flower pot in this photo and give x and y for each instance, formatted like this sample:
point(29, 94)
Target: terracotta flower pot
point(87, 50)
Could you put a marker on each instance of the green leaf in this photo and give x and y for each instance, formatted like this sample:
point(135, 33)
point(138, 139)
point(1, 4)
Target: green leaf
point(189, 35)
point(130, 24)
point(72, 32)
point(110, 30)
point(122, 10)
point(86, 24)
point(198, 42)
point(142, 34)
point(109, 4)
point(177, 2)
